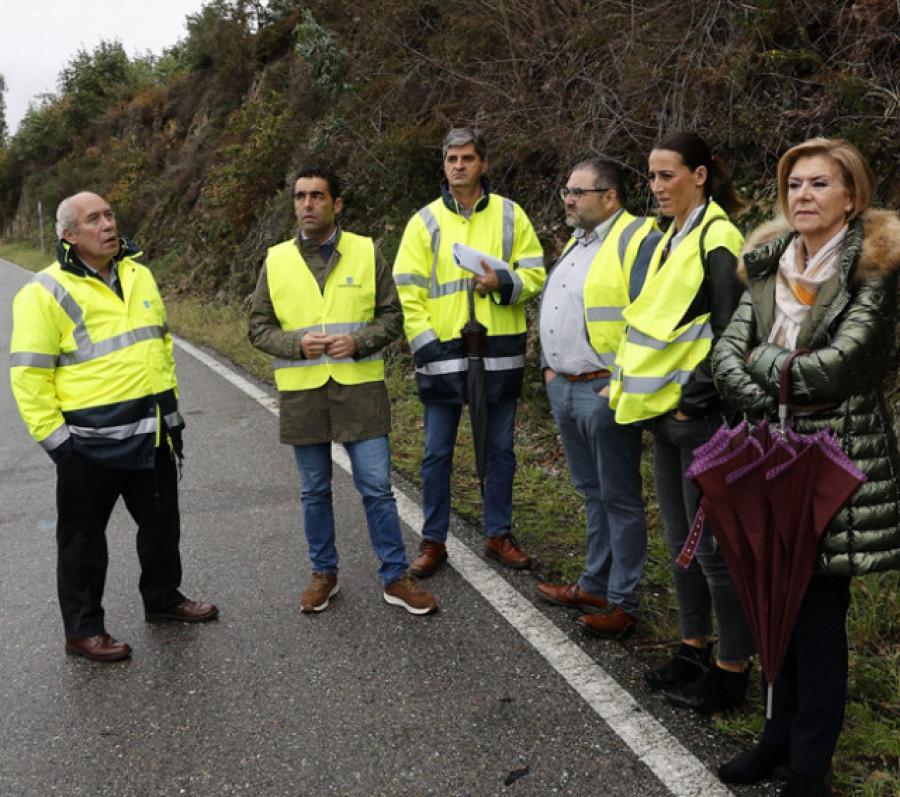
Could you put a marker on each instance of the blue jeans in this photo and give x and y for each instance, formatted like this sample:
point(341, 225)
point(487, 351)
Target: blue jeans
point(371, 464)
point(605, 462)
point(706, 584)
point(441, 424)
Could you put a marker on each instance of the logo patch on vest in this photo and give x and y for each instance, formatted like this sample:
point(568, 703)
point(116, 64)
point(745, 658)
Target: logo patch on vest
point(350, 284)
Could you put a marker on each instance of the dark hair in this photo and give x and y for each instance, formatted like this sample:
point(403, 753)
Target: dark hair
point(323, 173)
point(695, 152)
point(608, 175)
point(460, 136)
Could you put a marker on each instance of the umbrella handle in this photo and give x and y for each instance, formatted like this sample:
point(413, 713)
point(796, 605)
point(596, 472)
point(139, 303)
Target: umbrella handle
point(784, 385)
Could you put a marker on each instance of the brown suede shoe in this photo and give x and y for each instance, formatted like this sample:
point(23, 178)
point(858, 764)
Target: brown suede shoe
point(432, 554)
point(505, 549)
point(101, 647)
point(612, 623)
point(186, 612)
point(571, 595)
point(318, 592)
point(407, 593)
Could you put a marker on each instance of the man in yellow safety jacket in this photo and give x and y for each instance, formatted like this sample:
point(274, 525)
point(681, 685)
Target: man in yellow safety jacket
point(434, 292)
point(599, 274)
point(94, 378)
point(324, 307)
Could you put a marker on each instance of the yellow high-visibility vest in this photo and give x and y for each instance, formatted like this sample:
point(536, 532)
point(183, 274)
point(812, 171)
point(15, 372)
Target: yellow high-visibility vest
point(606, 287)
point(658, 354)
point(348, 304)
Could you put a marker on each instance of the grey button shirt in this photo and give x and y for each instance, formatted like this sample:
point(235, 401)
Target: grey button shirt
point(565, 345)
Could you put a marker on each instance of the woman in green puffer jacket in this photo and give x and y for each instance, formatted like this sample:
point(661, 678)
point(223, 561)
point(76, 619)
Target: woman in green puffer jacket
point(823, 279)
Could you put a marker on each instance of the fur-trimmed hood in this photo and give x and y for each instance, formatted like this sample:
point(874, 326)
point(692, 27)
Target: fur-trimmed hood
point(880, 247)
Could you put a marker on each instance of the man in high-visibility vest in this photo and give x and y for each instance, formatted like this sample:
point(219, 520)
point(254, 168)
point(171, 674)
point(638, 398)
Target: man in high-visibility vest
point(434, 291)
point(94, 378)
point(599, 273)
point(325, 306)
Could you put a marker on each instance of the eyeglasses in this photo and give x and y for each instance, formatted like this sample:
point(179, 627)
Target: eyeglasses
point(577, 193)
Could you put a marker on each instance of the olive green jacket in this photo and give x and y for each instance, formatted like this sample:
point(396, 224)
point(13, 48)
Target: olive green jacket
point(849, 332)
point(333, 412)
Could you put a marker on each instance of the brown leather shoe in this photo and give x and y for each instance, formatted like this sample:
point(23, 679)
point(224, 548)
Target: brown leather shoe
point(571, 595)
point(432, 554)
point(319, 592)
point(186, 612)
point(505, 549)
point(612, 623)
point(101, 647)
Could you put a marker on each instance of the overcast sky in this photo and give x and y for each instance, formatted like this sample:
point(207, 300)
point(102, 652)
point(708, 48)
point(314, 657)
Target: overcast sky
point(39, 37)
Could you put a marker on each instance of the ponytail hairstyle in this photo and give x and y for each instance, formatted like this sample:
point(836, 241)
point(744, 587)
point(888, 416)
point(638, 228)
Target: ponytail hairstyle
point(695, 152)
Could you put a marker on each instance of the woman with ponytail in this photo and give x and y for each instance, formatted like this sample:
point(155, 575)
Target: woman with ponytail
point(663, 376)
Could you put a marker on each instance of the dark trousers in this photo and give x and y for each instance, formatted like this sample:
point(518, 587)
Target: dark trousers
point(85, 496)
point(811, 690)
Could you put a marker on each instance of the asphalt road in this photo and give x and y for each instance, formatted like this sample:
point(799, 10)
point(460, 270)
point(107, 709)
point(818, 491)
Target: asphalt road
point(492, 696)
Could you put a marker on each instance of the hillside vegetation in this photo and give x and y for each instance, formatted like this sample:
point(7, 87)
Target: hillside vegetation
point(195, 148)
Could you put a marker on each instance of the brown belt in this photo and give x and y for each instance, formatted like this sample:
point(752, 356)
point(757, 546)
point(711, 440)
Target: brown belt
point(587, 377)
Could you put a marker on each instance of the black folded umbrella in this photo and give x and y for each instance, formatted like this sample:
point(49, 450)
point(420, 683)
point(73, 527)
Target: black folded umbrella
point(473, 335)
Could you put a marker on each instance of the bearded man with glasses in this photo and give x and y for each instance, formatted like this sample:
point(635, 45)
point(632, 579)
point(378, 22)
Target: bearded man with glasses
point(601, 270)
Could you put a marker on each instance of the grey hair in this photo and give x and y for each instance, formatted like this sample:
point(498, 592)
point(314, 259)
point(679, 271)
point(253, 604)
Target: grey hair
point(460, 136)
point(66, 216)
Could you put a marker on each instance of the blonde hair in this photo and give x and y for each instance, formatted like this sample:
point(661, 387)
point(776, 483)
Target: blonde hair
point(855, 171)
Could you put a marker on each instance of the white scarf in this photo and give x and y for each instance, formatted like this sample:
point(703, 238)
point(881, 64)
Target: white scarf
point(798, 283)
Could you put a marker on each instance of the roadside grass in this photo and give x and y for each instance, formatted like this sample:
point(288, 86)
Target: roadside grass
point(26, 255)
point(549, 520)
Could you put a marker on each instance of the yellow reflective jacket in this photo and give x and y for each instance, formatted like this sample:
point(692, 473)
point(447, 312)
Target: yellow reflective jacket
point(433, 292)
point(92, 372)
point(660, 348)
point(347, 305)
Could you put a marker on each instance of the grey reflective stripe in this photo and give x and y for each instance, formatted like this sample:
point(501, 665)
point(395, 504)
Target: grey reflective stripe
point(509, 228)
point(439, 367)
point(174, 420)
point(517, 286)
point(608, 358)
point(411, 279)
point(86, 349)
point(122, 432)
point(531, 262)
point(504, 363)
point(434, 231)
point(448, 288)
point(651, 384)
point(29, 359)
point(110, 345)
point(423, 340)
point(343, 328)
point(56, 438)
point(607, 313)
point(693, 333)
point(278, 363)
point(627, 234)
point(82, 339)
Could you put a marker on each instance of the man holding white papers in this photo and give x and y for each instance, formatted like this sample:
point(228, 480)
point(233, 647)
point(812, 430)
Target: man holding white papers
point(434, 293)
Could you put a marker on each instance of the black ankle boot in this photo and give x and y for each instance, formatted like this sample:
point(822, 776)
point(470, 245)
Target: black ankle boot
point(807, 785)
point(687, 665)
point(718, 690)
point(756, 764)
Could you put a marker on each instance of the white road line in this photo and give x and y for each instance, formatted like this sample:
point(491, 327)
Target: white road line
point(675, 766)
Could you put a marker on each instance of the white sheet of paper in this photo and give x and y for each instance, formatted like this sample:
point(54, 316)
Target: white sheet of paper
point(470, 259)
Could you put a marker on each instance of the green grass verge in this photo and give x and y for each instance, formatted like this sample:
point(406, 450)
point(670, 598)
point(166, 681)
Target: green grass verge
point(549, 520)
